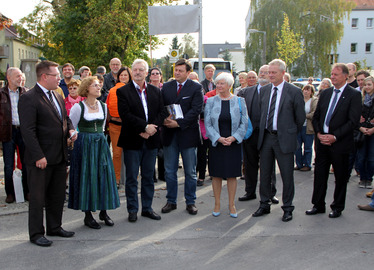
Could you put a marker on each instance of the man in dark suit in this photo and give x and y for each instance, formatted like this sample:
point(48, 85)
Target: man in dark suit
point(182, 135)
point(337, 115)
point(45, 127)
point(251, 154)
point(141, 109)
point(207, 83)
point(282, 117)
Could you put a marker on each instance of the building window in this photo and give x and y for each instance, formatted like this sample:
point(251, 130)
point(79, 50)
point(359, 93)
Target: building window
point(333, 58)
point(354, 23)
point(368, 48)
point(369, 23)
point(353, 47)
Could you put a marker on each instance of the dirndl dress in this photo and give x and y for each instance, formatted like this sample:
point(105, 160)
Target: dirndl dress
point(92, 181)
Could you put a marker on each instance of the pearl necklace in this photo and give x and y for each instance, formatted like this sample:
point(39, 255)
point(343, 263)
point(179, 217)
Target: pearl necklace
point(228, 98)
point(92, 107)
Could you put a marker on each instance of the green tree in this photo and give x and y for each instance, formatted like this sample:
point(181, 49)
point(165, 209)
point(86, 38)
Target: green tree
point(318, 22)
point(188, 46)
point(175, 45)
point(289, 48)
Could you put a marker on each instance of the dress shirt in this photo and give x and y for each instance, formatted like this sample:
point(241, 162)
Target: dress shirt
point(142, 94)
point(279, 94)
point(14, 98)
point(54, 99)
point(326, 128)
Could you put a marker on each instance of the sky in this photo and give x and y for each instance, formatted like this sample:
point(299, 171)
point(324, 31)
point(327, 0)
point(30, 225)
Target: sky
point(223, 20)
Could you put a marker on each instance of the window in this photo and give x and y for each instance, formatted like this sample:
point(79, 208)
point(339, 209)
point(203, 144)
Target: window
point(333, 58)
point(353, 47)
point(369, 23)
point(354, 23)
point(368, 48)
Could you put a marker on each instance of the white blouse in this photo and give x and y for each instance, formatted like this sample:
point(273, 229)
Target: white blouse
point(76, 110)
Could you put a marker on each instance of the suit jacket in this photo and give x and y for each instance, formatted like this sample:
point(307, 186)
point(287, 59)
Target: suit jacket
point(131, 111)
point(239, 121)
point(191, 101)
point(291, 116)
point(6, 113)
point(43, 133)
point(205, 84)
point(344, 120)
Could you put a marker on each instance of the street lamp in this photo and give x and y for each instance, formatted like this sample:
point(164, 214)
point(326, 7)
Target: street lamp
point(264, 53)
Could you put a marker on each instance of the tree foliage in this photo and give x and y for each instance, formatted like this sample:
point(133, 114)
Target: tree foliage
point(91, 32)
point(188, 46)
point(289, 46)
point(318, 22)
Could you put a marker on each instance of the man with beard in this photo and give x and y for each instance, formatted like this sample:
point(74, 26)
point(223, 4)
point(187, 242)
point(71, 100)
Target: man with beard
point(111, 77)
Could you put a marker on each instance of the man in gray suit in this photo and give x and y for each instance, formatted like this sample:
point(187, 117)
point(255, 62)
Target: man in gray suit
point(282, 117)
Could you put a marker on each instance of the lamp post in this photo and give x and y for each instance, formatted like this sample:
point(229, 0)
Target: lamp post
point(264, 41)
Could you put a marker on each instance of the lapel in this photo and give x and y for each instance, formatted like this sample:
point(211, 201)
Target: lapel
point(283, 96)
point(46, 100)
point(266, 90)
point(346, 93)
point(138, 103)
point(182, 92)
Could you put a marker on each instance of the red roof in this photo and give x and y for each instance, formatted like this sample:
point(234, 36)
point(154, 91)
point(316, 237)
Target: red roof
point(363, 4)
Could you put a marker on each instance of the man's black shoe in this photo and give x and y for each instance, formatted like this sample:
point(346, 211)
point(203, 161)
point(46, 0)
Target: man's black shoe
point(133, 217)
point(314, 211)
point(287, 216)
point(260, 212)
point(247, 197)
point(335, 214)
point(168, 207)
point(42, 241)
point(151, 215)
point(191, 208)
point(62, 233)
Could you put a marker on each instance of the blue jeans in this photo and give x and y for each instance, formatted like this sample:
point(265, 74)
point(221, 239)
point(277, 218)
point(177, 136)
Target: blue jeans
point(304, 160)
point(372, 201)
point(171, 156)
point(145, 159)
point(365, 159)
point(9, 149)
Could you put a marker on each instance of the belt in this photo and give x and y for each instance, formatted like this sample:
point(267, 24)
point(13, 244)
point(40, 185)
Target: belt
point(115, 123)
point(271, 132)
point(16, 126)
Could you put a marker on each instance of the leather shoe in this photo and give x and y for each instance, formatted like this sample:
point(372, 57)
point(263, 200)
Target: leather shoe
point(108, 221)
point(168, 207)
point(287, 216)
point(133, 217)
point(335, 214)
point(92, 223)
point(9, 198)
point(191, 208)
point(274, 200)
point(62, 233)
point(151, 215)
point(365, 207)
point(305, 169)
point(314, 211)
point(42, 241)
point(247, 197)
point(260, 212)
point(200, 182)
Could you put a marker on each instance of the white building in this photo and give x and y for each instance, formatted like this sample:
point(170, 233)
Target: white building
point(358, 40)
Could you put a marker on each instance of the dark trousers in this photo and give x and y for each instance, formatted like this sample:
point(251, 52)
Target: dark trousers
point(251, 165)
point(144, 159)
point(47, 188)
point(9, 149)
point(325, 157)
point(201, 158)
point(270, 151)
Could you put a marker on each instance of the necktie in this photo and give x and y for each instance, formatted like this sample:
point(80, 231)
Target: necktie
point(332, 107)
point(210, 87)
point(53, 103)
point(272, 109)
point(179, 88)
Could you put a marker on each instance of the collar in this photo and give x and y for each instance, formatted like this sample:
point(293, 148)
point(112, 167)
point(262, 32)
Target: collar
point(138, 87)
point(182, 83)
point(45, 90)
point(279, 86)
point(11, 91)
point(341, 88)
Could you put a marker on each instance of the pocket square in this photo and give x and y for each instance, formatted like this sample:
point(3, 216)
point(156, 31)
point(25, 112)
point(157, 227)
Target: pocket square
point(185, 97)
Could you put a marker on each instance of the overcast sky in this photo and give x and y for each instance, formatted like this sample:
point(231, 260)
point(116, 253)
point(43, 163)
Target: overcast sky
point(223, 20)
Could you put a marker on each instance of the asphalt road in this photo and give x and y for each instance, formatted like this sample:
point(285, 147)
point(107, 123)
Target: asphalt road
point(182, 241)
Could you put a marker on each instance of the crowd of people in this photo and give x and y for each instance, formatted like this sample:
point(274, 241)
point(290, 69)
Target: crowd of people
point(63, 128)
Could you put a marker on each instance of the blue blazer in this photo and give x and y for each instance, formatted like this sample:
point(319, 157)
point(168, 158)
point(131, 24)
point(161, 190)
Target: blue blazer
point(239, 121)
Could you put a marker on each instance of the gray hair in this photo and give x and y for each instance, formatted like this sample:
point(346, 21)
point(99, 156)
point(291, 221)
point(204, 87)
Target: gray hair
point(140, 61)
point(227, 77)
point(11, 69)
point(280, 63)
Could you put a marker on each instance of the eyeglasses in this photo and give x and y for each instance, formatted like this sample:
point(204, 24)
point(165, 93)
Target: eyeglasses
point(155, 73)
point(55, 75)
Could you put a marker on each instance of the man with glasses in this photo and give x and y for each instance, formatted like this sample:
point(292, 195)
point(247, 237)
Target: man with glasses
point(46, 128)
point(110, 79)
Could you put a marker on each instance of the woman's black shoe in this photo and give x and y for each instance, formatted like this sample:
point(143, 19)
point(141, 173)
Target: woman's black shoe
point(92, 223)
point(104, 216)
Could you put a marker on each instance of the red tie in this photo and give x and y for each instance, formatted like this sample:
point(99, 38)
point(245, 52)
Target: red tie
point(179, 89)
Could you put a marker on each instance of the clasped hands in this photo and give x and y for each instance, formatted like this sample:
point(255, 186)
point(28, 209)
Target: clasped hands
point(150, 130)
point(367, 131)
point(226, 141)
point(326, 139)
point(170, 123)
